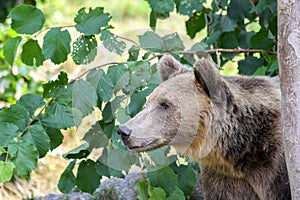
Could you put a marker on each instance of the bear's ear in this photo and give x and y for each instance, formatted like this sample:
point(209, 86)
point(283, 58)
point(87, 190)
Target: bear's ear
point(168, 66)
point(207, 75)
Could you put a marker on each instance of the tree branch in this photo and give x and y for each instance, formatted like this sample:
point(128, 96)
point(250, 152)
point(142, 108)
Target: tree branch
point(234, 51)
point(212, 51)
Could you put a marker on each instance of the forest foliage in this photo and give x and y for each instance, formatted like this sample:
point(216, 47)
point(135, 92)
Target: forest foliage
point(31, 126)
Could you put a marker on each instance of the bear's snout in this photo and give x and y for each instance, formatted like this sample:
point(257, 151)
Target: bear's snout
point(124, 132)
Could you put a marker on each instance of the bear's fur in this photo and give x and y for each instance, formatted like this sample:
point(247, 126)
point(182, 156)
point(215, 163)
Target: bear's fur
point(230, 125)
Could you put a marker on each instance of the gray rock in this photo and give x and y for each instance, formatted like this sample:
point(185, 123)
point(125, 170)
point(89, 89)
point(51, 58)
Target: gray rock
point(119, 189)
point(71, 196)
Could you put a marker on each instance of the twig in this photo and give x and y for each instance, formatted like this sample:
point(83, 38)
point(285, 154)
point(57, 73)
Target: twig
point(253, 5)
point(111, 63)
point(32, 119)
point(97, 67)
point(127, 39)
point(218, 59)
point(213, 51)
point(45, 29)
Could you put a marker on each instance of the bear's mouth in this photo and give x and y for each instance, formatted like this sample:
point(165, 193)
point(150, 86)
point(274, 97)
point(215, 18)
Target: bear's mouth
point(148, 147)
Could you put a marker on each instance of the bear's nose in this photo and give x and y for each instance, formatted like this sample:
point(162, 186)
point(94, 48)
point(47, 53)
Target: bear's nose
point(124, 132)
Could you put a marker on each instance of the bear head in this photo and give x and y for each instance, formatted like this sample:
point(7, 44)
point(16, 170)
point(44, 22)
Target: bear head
point(179, 111)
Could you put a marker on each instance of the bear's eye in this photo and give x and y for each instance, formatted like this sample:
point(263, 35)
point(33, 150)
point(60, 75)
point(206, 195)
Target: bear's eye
point(164, 105)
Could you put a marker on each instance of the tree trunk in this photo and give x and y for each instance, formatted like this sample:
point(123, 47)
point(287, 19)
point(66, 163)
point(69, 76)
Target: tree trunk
point(289, 66)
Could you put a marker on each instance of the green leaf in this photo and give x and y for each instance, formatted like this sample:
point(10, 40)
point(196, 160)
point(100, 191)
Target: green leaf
point(111, 42)
point(103, 83)
point(164, 178)
point(6, 171)
point(186, 178)
point(2, 150)
point(78, 153)
point(172, 42)
point(160, 158)
point(239, 10)
point(51, 88)
point(56, 138)
point(96, 137)
point(157, 193)
point(16, 114)
point(84, 97)
point(24, 155)
point(61, 119)
point(91, 22)
point(31, 102)
point(137, 101)
point(27, 19)
point(122, 116)
point(60, 115)
point(244, 39)
point(139, 75)
point(67, 179)
point(32, 53)
point(188, 7)
point(102, 166)
point(213, 38)
point(87, 178)
point(108, 128)
point(195, 24)
point(199, 46)
point(38, 136)
point(10, 49)
point(121, 160)
point(133, 53)
point(273, 68)
point(262, 5)
point(260, 72)
point(151, 41)
point(153, 19)
point(228, 41)
point(142, 191)
point(102, 169)
point(119, 75)
point(261, 41)
point(177, 195)
point(227, 24)
point(107, 114)
point(162, 6)
point(56, 45)
point(84, 49)
point(7, 133)
point(249, 65)
point(117, 142)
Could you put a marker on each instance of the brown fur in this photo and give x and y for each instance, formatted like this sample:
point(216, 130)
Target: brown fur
point(230, 125)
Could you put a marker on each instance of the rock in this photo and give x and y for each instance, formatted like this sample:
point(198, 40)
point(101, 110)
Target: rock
point(71, 196)
point(119, 189)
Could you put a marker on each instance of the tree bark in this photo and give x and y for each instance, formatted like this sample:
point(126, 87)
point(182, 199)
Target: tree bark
point(289, 66)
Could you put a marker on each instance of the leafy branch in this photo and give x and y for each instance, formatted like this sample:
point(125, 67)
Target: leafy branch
point(201, 52)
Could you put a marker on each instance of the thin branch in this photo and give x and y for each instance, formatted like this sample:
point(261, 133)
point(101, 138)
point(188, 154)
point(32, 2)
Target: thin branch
point(214, 51)
point(45, 29)
point(127, 39)
point(32, 119)
point(97, 67)
point(111, 63)
point(253, 5)
point(218, 59)
point(134, 42)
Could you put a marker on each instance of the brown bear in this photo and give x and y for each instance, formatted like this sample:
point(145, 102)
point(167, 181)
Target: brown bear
point(230, 125)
